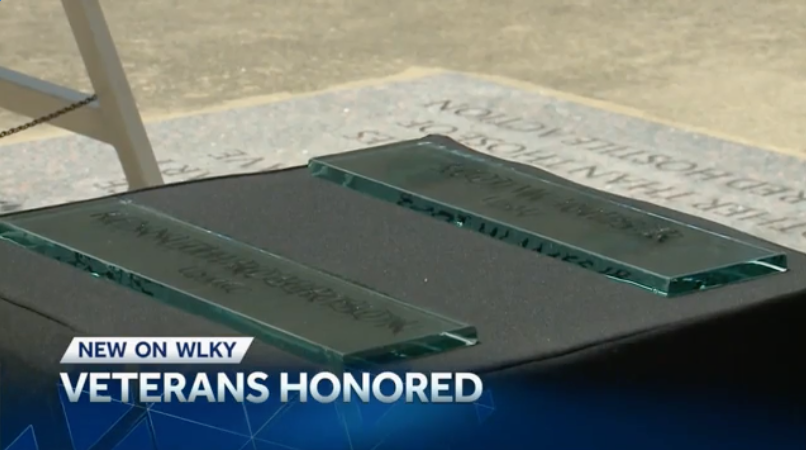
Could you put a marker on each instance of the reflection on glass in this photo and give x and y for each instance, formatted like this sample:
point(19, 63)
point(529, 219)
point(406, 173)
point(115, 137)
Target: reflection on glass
point(535, 210)
point(298, 308)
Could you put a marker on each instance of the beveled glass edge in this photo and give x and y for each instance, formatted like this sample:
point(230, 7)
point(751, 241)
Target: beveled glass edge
point(729, 274)
point(448, 144)
point(464, 335)
point(660, 284)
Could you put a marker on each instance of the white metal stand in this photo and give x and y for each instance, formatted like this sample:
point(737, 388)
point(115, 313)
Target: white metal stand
point(113, 118)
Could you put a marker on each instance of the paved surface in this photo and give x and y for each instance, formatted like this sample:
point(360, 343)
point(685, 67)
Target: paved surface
point(762, 192)
point(734, 69)
point(736, 66)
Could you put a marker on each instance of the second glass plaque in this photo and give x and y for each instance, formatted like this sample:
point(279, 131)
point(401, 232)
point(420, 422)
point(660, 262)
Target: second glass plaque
point(298, 308)
point(534, 210)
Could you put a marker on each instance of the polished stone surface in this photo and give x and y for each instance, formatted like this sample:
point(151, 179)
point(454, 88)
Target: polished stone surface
point(752, 189)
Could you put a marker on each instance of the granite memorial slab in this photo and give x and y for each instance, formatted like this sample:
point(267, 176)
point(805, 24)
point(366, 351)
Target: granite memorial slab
point(748, 188)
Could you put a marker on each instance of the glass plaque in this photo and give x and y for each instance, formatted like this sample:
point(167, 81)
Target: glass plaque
point(537, 211)
point(298, 308)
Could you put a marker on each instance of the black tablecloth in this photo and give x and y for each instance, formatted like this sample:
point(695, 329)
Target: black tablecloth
point(534, 314)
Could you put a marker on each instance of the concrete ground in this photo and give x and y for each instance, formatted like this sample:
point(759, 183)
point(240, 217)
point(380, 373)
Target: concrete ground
point(737, 67)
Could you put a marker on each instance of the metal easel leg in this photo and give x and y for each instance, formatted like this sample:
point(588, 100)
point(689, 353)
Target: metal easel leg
point(118, 108)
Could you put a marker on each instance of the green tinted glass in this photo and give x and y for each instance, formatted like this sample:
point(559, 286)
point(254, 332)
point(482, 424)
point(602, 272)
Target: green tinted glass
point(534, 210)
point(298, 308)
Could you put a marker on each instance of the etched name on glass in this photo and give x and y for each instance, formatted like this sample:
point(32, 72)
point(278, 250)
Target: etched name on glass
point(298, 308)
point(535, 210)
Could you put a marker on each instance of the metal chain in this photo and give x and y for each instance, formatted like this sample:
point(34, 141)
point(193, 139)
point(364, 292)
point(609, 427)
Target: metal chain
point(47, 118)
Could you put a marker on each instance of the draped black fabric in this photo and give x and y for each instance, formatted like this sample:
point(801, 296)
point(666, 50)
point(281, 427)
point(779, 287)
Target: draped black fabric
point(534, 314)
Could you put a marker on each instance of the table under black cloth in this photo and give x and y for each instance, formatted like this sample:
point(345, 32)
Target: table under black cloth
point(534, 314)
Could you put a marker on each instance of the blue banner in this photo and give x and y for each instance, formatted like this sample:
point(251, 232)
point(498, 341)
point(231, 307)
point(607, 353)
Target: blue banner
point(510, 414)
